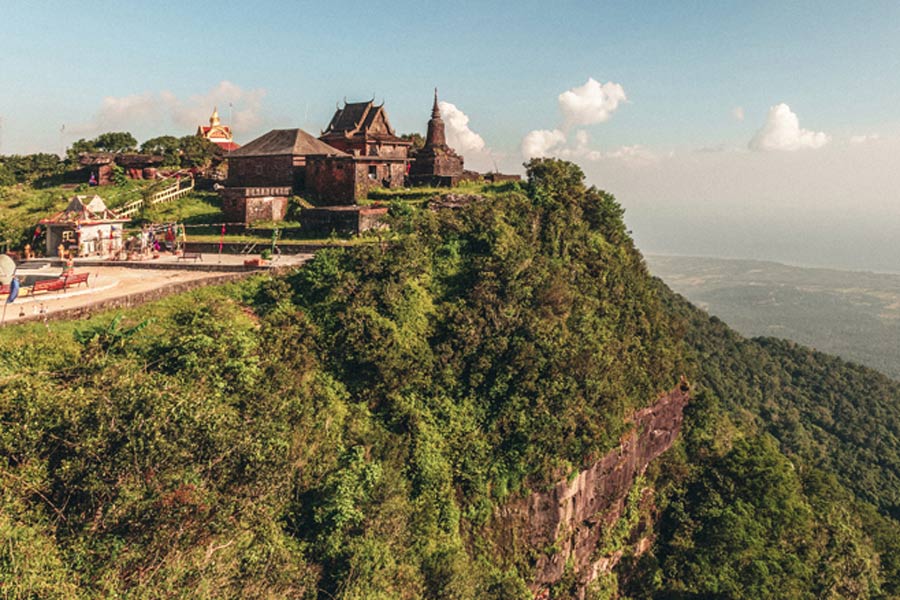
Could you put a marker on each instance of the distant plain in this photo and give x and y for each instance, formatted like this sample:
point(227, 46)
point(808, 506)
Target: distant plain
point(853, 314)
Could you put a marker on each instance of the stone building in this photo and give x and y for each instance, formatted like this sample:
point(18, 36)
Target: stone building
point(436, 164)
point(374, 156)
point(218, 134)
point(263, 174)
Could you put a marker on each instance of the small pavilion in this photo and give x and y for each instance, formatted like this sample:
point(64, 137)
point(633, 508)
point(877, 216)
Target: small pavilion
point(85, 228)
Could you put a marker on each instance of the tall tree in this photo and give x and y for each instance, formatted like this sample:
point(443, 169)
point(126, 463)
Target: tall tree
point(118, 141)
point(167, 146)
point(196, 151)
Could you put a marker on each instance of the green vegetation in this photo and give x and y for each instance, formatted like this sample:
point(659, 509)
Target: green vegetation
point(418, 195)
point(186, 151)
point(349, 430)
point(30, 169)
point(114, 141)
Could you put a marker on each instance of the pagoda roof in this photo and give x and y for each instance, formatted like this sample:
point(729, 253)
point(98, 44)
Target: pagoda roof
point(357, 118)
point(279, 142)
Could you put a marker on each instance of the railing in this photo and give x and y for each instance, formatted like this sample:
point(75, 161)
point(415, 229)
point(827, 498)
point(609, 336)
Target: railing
point(176, 190)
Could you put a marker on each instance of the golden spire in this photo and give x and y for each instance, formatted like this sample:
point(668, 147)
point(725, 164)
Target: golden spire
point(214, 119)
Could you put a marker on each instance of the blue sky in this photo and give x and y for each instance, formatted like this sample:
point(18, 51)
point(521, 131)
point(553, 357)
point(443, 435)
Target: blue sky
point(774, 94)
point(683, 65)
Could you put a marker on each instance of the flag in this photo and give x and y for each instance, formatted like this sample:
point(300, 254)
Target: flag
point(13, 290)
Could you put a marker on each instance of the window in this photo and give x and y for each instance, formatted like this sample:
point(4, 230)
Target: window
point(373, 171)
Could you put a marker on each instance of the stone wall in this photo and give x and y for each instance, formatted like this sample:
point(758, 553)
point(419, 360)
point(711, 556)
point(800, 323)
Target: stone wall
point(342, 219)
point(566, 523)
point(261, 171)
point(242, 205)
point(331, 180)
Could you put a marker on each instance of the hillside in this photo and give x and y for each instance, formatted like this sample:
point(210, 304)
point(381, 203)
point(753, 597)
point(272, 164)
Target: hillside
point(855, 315)
point(360, 429)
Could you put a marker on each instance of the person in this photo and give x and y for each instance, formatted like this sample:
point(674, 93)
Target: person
point(170, 239)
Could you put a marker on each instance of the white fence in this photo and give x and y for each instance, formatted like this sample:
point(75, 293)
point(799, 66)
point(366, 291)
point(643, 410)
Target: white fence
point(174, 191)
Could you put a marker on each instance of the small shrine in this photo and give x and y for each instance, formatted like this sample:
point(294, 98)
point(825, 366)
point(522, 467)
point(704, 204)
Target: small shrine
point(85, 228)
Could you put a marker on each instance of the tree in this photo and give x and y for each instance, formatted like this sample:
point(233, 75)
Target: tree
point(28, 168)
point(196, 151)
point(167, 146)
point(416, 138)
point(120, 141)
point(80, 147)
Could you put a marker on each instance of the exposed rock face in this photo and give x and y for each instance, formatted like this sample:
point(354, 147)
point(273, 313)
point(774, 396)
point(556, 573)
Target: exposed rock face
point(571, 518)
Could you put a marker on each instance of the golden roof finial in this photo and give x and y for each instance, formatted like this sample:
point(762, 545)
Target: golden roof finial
point(214, 118)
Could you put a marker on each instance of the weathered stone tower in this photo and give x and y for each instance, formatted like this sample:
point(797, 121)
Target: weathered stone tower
point(436, 163)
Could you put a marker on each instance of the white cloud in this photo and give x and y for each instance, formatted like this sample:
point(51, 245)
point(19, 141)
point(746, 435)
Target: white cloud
point(542, 142)
point(476, 153)
point(738, 113)
point(634, 155)
point(554, 143)
point(459, 136)
point(782, 132)
point(591, 103)
point(164, 112)
point(862, 139)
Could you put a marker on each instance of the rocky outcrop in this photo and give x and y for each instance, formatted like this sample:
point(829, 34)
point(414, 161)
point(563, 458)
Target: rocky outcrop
point(566, 523)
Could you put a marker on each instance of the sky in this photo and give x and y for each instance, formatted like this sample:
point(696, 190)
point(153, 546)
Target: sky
point(763, 130)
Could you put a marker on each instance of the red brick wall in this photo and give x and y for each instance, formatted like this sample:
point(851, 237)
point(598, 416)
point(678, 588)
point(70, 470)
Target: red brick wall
point(331, 180)
point(261, 171)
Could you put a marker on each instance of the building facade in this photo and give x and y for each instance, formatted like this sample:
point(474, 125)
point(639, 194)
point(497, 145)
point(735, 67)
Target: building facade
point(374, 156)
point(263, 174)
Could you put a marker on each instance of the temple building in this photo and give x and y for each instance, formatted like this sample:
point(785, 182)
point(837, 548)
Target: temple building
point(263, 174)
point(374, 156)
point(436, 164)
point(217, 133)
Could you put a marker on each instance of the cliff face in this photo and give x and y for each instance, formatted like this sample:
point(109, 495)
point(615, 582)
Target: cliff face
point(567, 523)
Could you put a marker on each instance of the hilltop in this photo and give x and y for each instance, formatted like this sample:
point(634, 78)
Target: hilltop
point(366, 427)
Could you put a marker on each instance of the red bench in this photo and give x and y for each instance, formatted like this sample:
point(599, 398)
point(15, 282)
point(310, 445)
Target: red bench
point(75, 278)
point(64, 282)
point(48, 285)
